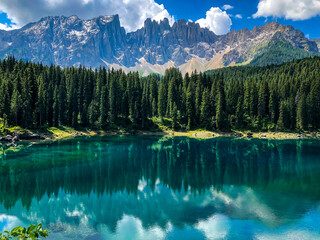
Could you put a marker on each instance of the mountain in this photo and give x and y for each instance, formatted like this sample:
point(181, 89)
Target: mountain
point(317, 40)
point(70, 41)
point(280, 52)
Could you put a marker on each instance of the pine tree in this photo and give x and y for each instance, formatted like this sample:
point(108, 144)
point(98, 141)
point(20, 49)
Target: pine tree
point(302, 121)
point(190, 106)
point(144, 108)
point(93, 112)
point(63, 103)
point(273, 106)
point(174, 116)
point(41, 101)
point(161, 100)
point(198, 96)
point(205, 109)
point(4, 99)
point(284, 115)
point(112, 102)
point(56, 107)
point(27, 103)
point(221, 121)
point(315, 104)
point(16, 103)
point(103, 106)
point(263, 100)
point(239, 112)
point(221, 118)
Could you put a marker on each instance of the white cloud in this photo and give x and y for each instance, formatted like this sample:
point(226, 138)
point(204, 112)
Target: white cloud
point(239, 16)
point(132, 12)
point(215, 227)
point(217, 21)
point(289, 9)
point(130, 227)
point(227, 7)
point(7, 27)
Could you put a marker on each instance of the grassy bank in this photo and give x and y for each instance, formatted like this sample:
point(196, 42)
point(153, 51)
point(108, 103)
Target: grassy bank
point(161, 127)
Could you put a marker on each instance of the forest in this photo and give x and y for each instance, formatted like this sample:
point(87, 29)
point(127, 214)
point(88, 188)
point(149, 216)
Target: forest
point(274, 97)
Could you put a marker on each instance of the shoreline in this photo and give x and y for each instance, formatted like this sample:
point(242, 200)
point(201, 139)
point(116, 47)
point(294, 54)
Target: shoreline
point(198, 134)
point(54, 133)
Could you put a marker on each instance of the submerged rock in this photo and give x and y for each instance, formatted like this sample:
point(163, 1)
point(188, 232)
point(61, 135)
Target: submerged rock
point(31, 136)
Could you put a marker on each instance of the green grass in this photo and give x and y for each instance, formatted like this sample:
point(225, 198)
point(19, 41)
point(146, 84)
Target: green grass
point(6, 130)
point(62, 131)
point(164, 124)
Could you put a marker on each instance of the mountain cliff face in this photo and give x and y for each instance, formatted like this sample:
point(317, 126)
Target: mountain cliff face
point(70, 41)
point(317, 40)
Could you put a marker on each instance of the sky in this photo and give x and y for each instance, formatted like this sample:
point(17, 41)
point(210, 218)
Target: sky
point(220, 16)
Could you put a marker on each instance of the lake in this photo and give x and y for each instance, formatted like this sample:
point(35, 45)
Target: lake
point(148, 187)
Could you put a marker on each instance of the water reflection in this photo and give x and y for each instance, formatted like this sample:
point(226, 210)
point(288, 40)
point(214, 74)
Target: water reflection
point(164, 188)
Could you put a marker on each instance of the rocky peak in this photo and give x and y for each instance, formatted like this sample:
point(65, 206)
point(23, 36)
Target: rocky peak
point(191, 33)
point(71, 41)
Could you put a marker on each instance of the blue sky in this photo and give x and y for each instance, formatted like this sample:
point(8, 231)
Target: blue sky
point(302, 14)
point(189, 9)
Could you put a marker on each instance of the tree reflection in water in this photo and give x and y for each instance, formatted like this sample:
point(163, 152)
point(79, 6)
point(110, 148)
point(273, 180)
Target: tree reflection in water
point(160, 182)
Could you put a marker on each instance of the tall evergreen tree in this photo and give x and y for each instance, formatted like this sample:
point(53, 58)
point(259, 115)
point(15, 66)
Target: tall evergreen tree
point(16, 103)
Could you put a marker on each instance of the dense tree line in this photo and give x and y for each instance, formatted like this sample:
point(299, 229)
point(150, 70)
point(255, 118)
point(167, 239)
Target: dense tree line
point(264, 98)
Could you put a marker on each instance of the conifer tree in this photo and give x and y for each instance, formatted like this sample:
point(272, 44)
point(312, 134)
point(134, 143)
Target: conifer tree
point(174, 116)
point(16, 106)
point(103, 106)
point(263, 100)
point(302, 121)
point(205, 109)
point(41, 101)
point(221, 118)
point(161, 100)
point(239, 112)
point(189, 106)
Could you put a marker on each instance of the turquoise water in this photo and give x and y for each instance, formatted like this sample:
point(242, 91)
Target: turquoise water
point(163, 188)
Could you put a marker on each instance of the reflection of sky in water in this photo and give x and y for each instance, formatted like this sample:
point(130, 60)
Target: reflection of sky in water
point(161, 213)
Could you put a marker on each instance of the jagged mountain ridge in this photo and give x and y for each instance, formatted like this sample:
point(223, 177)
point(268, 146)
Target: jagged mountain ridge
point(70, 41)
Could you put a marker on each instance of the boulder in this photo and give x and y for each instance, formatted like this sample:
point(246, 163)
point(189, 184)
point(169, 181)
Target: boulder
point(237, 135)
point(249, 134)
point(7, 138)
point(30, 136)
point(15, 139)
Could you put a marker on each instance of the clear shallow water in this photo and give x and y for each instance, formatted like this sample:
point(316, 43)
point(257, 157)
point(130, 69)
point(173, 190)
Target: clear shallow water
point(163, 188)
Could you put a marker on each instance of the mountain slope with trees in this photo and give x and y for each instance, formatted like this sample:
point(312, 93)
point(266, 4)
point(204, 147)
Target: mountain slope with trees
point(280, 52)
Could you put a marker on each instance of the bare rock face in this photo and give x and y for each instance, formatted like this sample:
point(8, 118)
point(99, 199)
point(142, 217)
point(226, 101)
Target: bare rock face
point(70, 41)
